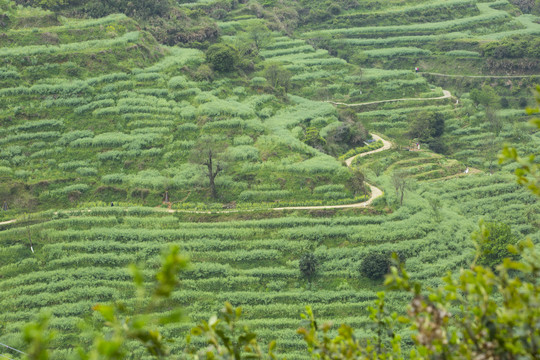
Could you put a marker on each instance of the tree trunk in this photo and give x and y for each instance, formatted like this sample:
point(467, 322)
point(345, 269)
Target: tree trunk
point(212, 174)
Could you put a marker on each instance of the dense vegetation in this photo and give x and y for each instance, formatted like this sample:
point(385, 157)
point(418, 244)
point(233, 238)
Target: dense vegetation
point(194, 120)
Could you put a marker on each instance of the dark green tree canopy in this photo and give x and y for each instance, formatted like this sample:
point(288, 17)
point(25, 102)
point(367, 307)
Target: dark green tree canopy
point(427, 124)
point(222, 57)
point(308, 266)
point(486, 97)
point(375, 265)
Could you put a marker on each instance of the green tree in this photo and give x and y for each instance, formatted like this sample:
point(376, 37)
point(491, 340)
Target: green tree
point(259, 35)
point(278, 77)
point(435, 205)
point(313, 138)
point(308, 266)
point(222, 57)
point(204, 73)
point(486, 96)
point(350, 134)
point(375, 265)
point(357, 182)
point(426, 125)
point(419, 128)
point(495, 247)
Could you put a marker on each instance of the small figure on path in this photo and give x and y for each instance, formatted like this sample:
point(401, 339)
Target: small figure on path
point(418, 145)
point(466, 170)
point(112, 204)
point(416, 69)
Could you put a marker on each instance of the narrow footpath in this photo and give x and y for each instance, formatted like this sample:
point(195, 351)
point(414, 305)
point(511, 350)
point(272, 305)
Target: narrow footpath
point(480, 76)
point(446, 95)
point(375, 192)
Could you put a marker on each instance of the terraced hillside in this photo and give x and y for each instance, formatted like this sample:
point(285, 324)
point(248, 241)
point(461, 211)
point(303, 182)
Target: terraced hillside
point(455, 30)
point(96, 111)
point(250, 263)
point(125, 118)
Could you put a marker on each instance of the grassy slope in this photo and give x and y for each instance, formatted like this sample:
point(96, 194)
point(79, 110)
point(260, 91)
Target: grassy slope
point(249, 259)
point(115, 117)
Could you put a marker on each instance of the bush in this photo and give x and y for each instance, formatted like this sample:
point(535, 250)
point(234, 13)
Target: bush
point(375, 265)
point(222, 57)
point(495, 249)
point(308, 266)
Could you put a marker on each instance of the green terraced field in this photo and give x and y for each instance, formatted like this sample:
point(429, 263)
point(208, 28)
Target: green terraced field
point(97, 111)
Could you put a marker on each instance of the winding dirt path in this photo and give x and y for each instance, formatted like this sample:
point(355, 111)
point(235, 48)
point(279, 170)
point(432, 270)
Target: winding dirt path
point(481, 76)
point(386, 145)
point(8, 222)
point(375, 191)
point(446, 95)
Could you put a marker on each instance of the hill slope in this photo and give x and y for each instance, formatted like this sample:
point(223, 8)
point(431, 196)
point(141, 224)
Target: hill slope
point(96, 111)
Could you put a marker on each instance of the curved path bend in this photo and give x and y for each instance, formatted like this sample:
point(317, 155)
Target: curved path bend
point(375, 192)
point(446, 95)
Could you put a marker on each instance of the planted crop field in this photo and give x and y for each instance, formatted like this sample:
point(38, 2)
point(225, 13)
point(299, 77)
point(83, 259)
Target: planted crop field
point(132, 132)
point(81, 257)
point(273, 133)
point(412, 34)
point(249, 263)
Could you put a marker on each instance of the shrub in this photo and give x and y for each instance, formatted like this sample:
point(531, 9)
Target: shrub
point(375, 265)
point(222, 57)
point(308, 266)
point(258, 82)
point(178, 82)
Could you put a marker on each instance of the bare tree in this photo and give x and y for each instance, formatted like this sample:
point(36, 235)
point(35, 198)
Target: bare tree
point(212, 172)
point(208, 153)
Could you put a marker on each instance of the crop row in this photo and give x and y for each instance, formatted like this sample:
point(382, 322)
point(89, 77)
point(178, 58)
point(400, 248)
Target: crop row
point(71, 88)
point(430, 5)
point(407, 39)
point(149, 218)
point(123, 40)
point(488, 15)
point(125, 235)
